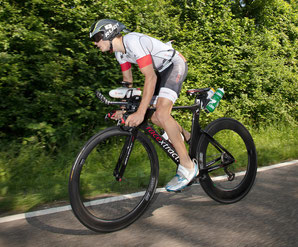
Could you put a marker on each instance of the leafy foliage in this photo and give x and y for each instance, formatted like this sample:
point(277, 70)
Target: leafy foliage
point(49, 69)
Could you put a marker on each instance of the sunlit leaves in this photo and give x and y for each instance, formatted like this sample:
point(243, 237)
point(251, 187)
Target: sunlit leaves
point(50, 70)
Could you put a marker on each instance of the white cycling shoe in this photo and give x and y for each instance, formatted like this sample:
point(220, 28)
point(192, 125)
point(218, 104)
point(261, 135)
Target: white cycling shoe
point(183, 177)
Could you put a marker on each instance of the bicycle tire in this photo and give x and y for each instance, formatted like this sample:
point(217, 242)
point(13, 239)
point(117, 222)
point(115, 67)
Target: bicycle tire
point(232, 135)
point(98, 200)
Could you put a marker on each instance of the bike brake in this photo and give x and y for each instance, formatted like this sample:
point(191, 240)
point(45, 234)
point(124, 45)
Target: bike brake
point(122, 120)
point(110, 115)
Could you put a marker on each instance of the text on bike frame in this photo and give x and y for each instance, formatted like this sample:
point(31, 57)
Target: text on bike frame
point(164, 144)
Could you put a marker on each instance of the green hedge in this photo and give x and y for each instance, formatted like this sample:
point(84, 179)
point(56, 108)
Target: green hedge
point(50, 70)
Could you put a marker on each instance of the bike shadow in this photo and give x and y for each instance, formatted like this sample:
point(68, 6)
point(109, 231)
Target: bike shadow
point(192, 196)
point(59, 222)
point(39, 222)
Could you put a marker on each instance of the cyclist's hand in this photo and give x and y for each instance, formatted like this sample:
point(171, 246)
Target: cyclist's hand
point(134, 119)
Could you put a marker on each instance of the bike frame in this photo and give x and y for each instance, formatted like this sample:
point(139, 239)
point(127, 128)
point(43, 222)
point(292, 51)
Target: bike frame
point(196, 133)
point(165, 144)
point(167, 147)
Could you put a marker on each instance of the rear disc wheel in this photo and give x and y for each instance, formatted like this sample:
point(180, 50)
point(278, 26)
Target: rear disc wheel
point(232, 185)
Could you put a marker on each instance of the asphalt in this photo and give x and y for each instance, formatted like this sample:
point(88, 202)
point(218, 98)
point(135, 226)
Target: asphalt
point(268, 216)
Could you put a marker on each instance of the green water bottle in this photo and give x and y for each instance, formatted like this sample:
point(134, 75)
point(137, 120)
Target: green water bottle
point(214, 101)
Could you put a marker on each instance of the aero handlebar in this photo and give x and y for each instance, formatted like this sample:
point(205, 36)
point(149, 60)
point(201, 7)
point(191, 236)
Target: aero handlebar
point(104, 100)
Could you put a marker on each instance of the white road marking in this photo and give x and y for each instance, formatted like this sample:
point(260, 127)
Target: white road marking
point(118, 198)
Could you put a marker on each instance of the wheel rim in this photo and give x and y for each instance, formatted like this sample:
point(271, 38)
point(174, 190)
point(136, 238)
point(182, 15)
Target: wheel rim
point(234, 143)
point(104, 198)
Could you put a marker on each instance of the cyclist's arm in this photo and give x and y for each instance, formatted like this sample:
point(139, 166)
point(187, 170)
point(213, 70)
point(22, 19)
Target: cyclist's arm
point(127, 76)
point(149, 87)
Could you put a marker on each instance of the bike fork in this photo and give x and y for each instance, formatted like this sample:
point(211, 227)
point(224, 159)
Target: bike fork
point(124, 155)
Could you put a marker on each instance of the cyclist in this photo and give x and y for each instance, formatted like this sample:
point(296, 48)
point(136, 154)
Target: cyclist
point(165, 70)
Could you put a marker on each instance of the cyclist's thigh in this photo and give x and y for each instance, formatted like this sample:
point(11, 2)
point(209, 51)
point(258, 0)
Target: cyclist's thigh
point(170, 81)
point(177, 75)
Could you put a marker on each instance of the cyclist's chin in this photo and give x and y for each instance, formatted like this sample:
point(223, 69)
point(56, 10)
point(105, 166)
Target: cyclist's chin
point(103, 49)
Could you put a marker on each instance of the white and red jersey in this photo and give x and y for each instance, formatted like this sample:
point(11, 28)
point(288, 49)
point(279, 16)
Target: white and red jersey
point(144, 50)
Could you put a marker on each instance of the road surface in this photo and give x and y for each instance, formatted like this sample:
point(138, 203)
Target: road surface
point(268, 216)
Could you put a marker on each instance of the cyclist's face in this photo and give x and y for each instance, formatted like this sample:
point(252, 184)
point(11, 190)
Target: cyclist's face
point(103, 45)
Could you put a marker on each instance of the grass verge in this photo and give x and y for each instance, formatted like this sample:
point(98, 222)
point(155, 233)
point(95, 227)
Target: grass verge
point(31, 176)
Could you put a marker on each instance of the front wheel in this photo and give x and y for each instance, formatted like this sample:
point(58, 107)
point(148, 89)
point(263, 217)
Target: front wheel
point(232, 183)
point(101, 199)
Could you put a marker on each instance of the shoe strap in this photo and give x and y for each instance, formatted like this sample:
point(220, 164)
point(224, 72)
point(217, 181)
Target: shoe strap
point(183, 171)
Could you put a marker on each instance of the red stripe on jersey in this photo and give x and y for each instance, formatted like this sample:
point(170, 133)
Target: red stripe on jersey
point(125, 66)
point(144, 61)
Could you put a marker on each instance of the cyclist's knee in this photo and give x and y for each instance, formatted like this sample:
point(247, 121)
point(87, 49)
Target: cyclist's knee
point(163, 111)
point(161, 116)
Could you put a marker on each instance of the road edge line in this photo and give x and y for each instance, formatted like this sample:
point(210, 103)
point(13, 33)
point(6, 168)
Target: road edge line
point(68, 207)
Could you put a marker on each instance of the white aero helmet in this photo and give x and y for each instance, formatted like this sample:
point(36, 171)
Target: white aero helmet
point(106, 29)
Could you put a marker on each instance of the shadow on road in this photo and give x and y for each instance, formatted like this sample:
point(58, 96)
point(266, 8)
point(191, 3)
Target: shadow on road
point(39, 222)
point(268, 216)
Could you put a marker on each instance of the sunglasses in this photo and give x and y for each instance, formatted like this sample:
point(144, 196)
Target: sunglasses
point(97, 37)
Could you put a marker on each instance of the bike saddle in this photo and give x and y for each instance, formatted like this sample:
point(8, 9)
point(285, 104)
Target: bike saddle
point(197, 91)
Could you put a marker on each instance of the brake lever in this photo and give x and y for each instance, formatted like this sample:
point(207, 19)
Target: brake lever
point(122, 120)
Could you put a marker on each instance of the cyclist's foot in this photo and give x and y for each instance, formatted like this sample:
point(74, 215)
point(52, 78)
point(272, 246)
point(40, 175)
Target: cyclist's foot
point(183, 177)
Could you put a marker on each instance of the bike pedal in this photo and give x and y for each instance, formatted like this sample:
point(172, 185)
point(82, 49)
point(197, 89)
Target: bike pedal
point(178, 191)
point(194, 181)
point(187, 188)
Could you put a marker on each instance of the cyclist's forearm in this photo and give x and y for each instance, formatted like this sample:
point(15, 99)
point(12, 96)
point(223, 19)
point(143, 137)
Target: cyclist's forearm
point(148, 91)
point(127, 76)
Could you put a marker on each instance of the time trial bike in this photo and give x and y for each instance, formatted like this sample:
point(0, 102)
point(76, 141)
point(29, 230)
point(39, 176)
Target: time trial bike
point(115, 175)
